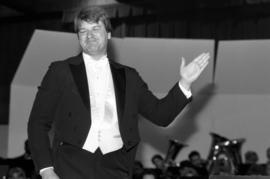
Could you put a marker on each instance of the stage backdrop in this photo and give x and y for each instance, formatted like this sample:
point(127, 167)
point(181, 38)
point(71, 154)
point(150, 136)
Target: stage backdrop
point(241, 108)
point(157, 61)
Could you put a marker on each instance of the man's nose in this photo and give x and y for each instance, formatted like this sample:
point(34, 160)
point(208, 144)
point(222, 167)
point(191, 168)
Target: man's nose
point(90, 34)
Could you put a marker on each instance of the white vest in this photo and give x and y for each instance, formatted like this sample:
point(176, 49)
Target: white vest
point(104, 131)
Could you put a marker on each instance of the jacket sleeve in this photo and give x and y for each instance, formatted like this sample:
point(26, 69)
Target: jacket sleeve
point(160, 111)
point(42, 116)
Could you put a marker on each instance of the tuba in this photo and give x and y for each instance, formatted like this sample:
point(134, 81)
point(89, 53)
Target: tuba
point(225, 155)
point(172, 152)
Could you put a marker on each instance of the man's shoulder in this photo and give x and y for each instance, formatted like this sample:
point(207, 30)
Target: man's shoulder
point(120, 65)
point(73, 59)
point(59, 67)
point(65, 62)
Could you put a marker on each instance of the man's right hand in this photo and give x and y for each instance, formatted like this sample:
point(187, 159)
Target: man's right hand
point(49, 174)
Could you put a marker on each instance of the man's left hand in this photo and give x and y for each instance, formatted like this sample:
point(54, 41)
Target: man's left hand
point(190, 72)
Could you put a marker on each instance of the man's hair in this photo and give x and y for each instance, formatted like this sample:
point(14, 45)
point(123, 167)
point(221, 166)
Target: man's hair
point(193, 153)
point(93, 14)
point(157, 156)
point(251, 156)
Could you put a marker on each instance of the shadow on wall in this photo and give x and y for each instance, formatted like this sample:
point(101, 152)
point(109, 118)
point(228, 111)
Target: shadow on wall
point(181, 129)
point(186, 126)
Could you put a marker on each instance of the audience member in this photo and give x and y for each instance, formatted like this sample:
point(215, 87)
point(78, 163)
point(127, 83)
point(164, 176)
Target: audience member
point(251, 157)
point(187, 169)
point(251, 166)
point(160, 167)
point(198, 163)
point(158, 162)
point(16, 173)
point(196, 167)
point(138, 170)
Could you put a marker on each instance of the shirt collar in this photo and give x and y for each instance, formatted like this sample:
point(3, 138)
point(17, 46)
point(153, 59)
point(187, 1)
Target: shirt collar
point(91, 61)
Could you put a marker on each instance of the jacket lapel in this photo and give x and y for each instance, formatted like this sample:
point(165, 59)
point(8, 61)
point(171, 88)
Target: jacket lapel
point(119, 81)
point(78, 70)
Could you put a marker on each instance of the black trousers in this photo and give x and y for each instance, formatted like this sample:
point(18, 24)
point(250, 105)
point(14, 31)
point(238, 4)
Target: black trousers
point(71, 162)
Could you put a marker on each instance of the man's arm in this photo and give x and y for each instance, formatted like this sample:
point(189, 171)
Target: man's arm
point(163, 111)
point(186, 92)
point(42, 115)
point(48, 173)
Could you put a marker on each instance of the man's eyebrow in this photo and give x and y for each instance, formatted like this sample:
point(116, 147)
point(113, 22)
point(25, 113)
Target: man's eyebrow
point(97, 25)
point(82, 29)
point(94, 26)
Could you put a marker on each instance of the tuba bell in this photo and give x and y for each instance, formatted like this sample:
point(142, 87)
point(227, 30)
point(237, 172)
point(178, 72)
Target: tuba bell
point(225, 155)
point(174, 148)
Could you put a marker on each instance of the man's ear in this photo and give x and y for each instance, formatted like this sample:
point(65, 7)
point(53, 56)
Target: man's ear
point(109, 35)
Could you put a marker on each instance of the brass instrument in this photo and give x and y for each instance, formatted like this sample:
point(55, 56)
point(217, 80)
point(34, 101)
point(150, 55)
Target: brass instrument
point(225, 155)
point(174, 148)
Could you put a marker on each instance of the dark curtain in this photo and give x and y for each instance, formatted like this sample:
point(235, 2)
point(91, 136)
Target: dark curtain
point(195, 28)
point(14, 38)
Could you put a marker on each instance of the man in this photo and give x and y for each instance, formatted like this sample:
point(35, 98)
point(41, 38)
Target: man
point(160, 166)
point(251, 165)
point(158, 161)
point(93, 104)
point(198, 163)
point(16, 173)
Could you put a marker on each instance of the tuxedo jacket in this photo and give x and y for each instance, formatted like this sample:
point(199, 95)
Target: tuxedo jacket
point(62, 103)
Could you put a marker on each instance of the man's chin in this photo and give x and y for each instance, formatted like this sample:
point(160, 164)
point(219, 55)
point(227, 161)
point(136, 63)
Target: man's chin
point(93, 52)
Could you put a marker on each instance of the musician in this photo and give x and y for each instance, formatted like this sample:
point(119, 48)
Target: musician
point(198, 163)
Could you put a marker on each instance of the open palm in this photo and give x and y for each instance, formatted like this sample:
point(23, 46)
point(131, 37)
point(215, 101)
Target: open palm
point(190, 72)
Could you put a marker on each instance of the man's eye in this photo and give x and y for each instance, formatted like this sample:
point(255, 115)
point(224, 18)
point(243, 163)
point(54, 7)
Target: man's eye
point(82, 31)
point(96, 29)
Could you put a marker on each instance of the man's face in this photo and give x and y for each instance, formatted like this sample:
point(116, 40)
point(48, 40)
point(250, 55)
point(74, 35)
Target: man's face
point(196, 160)
point(16, 176)
point(93, 38)
point(158, 163)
